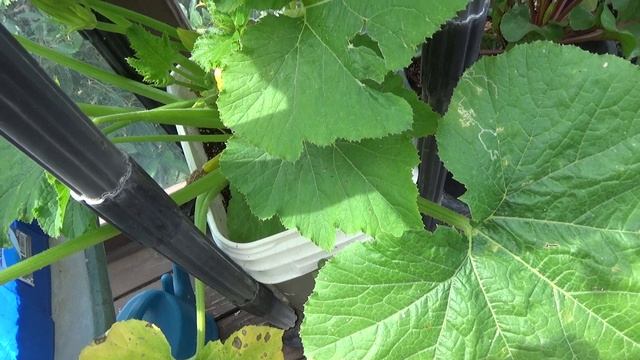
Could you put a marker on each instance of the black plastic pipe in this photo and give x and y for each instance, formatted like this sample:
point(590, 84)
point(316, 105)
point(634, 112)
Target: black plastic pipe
point(40, 120)
point(444, 59)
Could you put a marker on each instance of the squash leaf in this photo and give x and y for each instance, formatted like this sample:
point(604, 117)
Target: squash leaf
point(547, 140)
point(26, 193)
point(353, 187)
point(244, 227)
point(249, 343)
point(209, 49)
point(290, 69)
point(131, 339)
point(154, 57)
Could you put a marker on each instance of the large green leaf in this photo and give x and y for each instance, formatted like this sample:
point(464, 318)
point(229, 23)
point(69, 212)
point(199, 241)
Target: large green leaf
point(22, 185)
point(546, 139)
point(301, 79)
point(352, 187)
point(26, 193)
point(244, 227)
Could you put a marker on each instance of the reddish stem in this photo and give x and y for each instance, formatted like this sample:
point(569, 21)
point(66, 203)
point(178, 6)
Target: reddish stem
point(584, 37)
point(532, 10)
point(542, 9)
point(491, 52)
point(568, 10)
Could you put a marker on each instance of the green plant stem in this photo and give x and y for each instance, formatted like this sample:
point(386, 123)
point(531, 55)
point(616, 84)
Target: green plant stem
point(214, 180)
point(190, 85)
point(103, 110)
point(106, 9)
point(115, 127)
point(97, 73)
point(48, 257)
point(212, 164)
point(188, 75)
point(114, 28)
point(202, 118)
point(443, 214)
point(200, 220)
point(185, 104)
point(171, 138)
point(191, 67)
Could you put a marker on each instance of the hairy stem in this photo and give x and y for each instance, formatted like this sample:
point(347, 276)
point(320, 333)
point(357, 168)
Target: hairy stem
point(214, 180)
point(202, 118)
point(114, 28)
point(443, 214)
point(185, 104)
point(97, 73)
point(200, 220)
point(93, 110)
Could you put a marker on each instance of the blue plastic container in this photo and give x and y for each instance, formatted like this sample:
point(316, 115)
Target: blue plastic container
point(26, 325)
point(173, 310)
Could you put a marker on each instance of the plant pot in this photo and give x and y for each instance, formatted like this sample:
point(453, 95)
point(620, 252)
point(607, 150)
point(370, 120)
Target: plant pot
point(444, 59)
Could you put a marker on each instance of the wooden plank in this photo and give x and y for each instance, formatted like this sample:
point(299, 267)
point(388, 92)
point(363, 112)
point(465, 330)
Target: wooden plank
point(120, 247)
point(217, 305)
point(136, 270)
point(120, 303)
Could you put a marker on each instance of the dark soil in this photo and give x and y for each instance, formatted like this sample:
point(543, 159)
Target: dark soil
point(414, 75)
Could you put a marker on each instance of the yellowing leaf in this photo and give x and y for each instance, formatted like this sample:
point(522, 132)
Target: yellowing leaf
point(248, 343)
point(131, 339)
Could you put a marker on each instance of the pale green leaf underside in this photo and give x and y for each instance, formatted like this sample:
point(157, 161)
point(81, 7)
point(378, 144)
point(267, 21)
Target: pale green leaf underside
point(545, 138)
point(22, 185)
point(352, 187)
point(26, 193)
point(290, 70)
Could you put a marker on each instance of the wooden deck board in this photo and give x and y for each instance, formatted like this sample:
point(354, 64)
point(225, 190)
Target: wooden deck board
point(140, 268)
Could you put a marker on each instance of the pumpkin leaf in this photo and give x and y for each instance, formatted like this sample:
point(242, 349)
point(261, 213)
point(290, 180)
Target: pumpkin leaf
point(289, 69)
point(551, 268)
point(131, 339)
point(353, 187)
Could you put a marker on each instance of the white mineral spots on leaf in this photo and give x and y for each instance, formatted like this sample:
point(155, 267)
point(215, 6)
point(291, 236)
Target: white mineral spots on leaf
point(467, 117)
point(605, 65)
point(492, 153)
point(471, 79)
